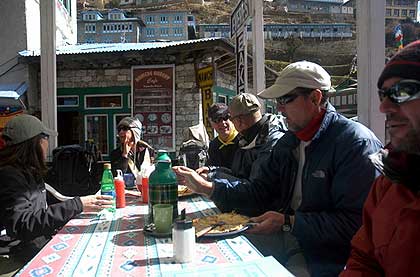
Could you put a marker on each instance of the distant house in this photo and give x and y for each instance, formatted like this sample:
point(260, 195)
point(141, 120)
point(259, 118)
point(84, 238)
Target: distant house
point(284, 31)
point(315, 6)
point(109, 27)
point(118, 26)
point(401, 9)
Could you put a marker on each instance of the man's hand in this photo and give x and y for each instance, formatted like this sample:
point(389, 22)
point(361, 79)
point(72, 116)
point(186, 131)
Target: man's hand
point(268, 223)
point(203, 171)
point(96, 203)
point(188, 177)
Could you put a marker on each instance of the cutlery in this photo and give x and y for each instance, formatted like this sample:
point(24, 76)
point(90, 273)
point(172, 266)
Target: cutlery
point(208, 229)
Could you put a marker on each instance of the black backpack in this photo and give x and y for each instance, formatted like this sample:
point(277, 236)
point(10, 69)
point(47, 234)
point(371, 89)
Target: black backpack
point(193, 154)
point(74, 170)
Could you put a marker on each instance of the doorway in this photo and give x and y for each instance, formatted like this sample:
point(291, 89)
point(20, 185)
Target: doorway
point(70, 128)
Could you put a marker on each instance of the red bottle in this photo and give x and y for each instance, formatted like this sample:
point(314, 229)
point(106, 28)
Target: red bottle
point(119, 189)
point(145, 189)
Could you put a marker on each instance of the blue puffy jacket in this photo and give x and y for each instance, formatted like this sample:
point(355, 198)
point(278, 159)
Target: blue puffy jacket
point(336, 179)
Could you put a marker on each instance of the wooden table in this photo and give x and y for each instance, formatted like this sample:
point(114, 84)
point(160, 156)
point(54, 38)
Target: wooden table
point(92, 245)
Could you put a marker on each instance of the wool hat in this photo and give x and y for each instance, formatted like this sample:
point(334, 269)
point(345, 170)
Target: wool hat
point(242, 104)
point(404, 64)
point(218, 110)
point(299, 74)
point(134, 124)
point(24, 127)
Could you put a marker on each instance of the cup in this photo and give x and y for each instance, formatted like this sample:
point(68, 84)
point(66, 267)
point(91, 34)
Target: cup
point(162, 217)
point(129, 180)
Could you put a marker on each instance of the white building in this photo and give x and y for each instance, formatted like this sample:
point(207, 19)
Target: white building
point(20, 21)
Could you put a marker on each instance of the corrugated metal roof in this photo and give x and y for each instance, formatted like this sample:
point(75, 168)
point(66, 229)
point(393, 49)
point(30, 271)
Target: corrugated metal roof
point(114, 47)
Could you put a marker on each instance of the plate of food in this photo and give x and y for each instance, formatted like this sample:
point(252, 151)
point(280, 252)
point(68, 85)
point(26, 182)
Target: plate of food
point(184, 191)
point(225, 224)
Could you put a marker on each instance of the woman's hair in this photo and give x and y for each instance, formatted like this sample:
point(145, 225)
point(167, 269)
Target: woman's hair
point(27, 156)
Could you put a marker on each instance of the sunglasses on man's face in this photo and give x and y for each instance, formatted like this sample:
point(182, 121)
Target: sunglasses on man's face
point(401, 92)
point(220, 119)
point(123, 128)
point(283, 100)
point(45, 136)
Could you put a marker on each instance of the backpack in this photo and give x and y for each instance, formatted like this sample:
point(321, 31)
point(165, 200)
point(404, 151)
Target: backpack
point(193, 154)
point(75, 170)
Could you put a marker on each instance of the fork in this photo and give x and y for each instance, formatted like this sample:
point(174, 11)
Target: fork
point(209, 228)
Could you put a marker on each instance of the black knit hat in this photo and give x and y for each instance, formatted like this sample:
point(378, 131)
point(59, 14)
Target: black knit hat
point(404, 64)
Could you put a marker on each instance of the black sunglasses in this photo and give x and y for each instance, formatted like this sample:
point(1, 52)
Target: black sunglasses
point(45, 136)
point(403, 91)
point(283, 100)
point(220, 119)
point(124, 128)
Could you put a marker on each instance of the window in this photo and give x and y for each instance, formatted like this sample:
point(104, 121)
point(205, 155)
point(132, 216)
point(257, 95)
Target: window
point(164, 19)
point(90, 28)
point(178, 19)
point(150, 19)
point(396, 12)
point(68, 101)
point(113, 101)
point(150, 32)
point(404, 13)
point(222, 99)
point(178, 32)
point(413, 14)
point(164, 32)
point(388, 12)
point(97, 130)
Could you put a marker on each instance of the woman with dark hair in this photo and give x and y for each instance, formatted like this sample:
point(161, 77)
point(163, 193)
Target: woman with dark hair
point(26, 219)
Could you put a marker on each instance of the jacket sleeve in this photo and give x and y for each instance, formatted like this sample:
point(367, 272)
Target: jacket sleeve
point(262, 192)
point(351, 177)
point(362, 262)
point(25, 213)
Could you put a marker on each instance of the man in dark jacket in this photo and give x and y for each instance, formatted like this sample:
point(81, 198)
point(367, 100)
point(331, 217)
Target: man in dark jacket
point(310, 191)
point(223, 147)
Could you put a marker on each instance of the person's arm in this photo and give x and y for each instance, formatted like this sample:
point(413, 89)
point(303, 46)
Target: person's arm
point(24, 211)
point(352, 175)
point(362, 260)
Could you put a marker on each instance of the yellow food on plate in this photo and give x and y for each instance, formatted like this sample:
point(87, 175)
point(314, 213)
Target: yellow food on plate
point(184, 191)
point(231, 222)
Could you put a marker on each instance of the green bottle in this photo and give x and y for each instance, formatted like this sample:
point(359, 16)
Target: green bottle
point(163, 187)
point(107, 184)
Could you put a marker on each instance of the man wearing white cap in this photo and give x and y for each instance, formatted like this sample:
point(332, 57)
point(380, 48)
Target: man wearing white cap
point(310, 191)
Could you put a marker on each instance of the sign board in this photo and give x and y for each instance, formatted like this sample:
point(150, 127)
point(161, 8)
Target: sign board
point(153, 102)
point(241, 62)
point(205, 83)
point(240, 16)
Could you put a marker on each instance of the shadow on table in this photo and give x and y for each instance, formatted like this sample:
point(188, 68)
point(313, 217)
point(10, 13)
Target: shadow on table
point(97, 225)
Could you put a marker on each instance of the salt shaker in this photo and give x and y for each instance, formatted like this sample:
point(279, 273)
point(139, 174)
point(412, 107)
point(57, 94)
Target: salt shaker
point(183, 238)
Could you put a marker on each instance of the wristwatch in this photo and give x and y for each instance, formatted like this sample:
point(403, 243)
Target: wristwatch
point(287, 225)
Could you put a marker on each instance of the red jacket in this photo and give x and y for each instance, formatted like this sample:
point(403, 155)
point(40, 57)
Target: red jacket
point(388, 243)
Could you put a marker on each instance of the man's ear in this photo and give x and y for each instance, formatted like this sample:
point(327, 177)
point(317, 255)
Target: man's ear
point(316, 97)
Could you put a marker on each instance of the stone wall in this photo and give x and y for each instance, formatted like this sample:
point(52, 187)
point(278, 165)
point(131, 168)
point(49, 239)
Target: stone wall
point(187, 97)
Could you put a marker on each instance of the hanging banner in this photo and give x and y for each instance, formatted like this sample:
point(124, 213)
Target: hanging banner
point(153, 102)
point(205, 83)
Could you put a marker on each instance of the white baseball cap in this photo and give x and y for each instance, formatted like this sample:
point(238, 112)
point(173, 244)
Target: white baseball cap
point(299, 74)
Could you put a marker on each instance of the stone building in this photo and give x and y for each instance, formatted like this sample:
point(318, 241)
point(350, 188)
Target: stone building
point(97, 86)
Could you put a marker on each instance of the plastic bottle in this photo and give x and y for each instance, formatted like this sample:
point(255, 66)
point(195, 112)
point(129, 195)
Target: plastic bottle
point(107, 184)
point(119, 189)
point(145, 189)
point(183, 238)
point(163, 188)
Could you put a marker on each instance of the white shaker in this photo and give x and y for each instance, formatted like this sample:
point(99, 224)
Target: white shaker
point(183, 238)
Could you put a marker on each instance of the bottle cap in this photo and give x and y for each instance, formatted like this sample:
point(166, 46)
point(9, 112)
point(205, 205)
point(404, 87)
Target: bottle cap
point(162, 156)
point(107, 166)
point(183, 224)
